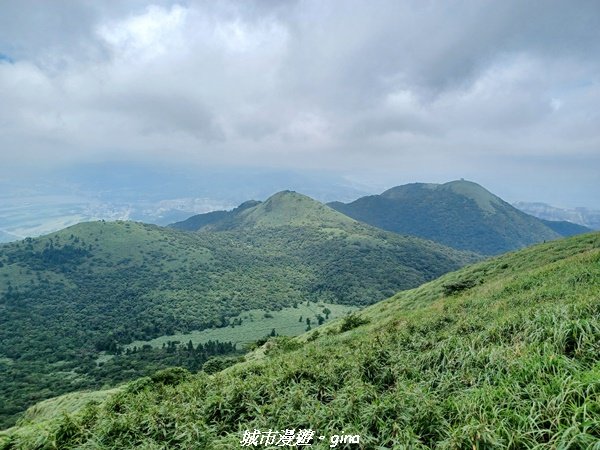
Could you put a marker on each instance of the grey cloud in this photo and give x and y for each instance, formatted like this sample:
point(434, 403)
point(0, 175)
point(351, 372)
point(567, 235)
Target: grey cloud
point(345, 85)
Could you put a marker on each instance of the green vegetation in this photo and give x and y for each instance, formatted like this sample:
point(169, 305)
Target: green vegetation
point(200, 221)
point(255, 324)
point(285, 208)
point(565, 228)
point(459, 214)
point(69, 298)
point(501, 354)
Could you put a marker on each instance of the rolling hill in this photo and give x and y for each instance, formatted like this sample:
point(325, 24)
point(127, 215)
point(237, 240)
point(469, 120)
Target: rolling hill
point(71, 301)
point(500, 354)
point(459, 214)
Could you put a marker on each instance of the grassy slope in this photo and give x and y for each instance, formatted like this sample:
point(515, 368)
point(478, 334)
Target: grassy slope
point(66, 296)
point(460, 214)
point(501, 354)
point(256, 324)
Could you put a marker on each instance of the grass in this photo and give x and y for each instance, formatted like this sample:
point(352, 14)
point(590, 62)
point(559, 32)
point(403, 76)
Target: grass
point(256, 324)
point(511, 359)
point(36, 419)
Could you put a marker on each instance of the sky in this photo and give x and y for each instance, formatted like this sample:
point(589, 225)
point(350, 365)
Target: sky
point(504, 93)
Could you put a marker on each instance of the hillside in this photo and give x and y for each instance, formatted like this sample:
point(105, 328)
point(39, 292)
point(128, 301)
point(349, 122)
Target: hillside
point(200, 221)
point(286, 208)
point(459, 214)
point(501, 354)
point(565, 228)
point(70, 302)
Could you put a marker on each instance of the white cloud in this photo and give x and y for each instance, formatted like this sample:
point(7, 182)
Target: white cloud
point(146, 36)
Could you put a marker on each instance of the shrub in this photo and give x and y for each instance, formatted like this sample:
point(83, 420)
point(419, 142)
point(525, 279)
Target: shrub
point(218, 363)
point(171, 376)
point(352, 321)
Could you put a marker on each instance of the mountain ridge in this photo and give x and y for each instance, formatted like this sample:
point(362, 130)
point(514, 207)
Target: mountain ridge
point(460, 214)
point(586, 217)
point(198, 221)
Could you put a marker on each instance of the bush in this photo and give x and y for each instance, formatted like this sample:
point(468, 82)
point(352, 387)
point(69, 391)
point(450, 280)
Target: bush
point(171, 376)
point(138, 385)
point(459, 286)
point(282, 344)
point(352, 321)
point(218, 363)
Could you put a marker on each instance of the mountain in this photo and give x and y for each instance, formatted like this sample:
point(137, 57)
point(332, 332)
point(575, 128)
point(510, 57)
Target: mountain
point(565, 228)
point(286, 208)
point(582, 216)
point(500, 354)
point(71, 302)
point(459, 214)
point(199, 221)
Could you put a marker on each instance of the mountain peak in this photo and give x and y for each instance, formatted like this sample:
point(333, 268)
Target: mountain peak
point(288, 195)
point(461, 214)
point(281, 209)
point(469, 189)
point(484, 198)
point(292, 208)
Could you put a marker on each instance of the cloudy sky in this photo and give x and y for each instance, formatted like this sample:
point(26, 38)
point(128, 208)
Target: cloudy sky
point(506, 93)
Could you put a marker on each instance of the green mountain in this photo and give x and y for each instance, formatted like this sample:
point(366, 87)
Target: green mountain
point(70, 302)
point(501, 354)
point(565, 228)
point(459, 214)
point(200, 221)
point(286, 208)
